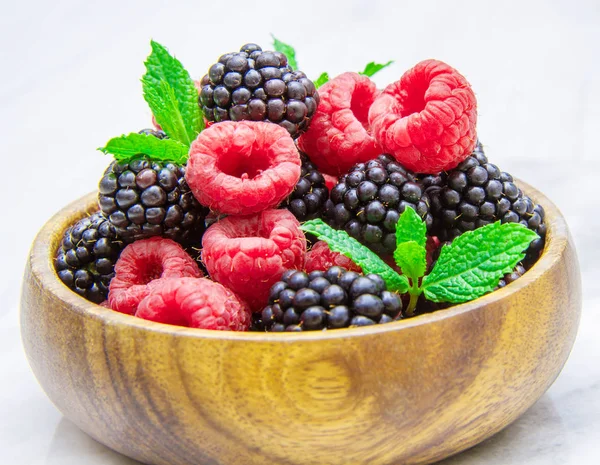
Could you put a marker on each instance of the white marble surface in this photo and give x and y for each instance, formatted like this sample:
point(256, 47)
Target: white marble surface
point(70, 80)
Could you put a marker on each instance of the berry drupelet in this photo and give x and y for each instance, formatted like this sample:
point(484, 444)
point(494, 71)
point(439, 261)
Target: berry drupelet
point(512, 276)
point(477, 193)
point(310, 194)
point(367, 202)
point(258, 85)
point(144, 198)
point(330, 299)
point(86, 257)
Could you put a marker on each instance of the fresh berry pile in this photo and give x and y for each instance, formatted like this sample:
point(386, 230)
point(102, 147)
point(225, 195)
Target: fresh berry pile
point(208, 221)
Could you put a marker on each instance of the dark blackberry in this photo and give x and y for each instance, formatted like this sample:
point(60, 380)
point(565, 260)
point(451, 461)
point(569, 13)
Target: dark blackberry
point(86, 257)
point(370, 198)
point(144, 198)
point(333, 299)
point(477, 193)
point(310, 194)
point(512, 276)
point(258, 86)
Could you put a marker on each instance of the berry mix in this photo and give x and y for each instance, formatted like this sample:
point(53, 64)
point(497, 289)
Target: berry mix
point(258, 202)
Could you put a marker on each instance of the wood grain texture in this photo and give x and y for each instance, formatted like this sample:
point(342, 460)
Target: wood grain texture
point(411, 392)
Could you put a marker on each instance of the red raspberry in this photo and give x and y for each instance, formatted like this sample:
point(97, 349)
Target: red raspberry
point(339, 135)
point(433, 243)
point(321, 257)
point(330, 181)
point(249, 254)
point(193, 302)
point(143, 262)
point(426, 120)
point(244, 167)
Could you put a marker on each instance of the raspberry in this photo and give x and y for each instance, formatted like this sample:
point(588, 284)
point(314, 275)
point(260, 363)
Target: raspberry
point(433, 245)
point(248, 254)
point(143, 262)
point(330, 181)
point(193, 302)
point(339, 135)
point(320, 257)
point(426, 120)
point(243, 167)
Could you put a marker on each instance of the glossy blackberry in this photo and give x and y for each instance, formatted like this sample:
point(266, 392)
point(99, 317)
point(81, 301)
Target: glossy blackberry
point(513, 276)
point(258, 86)
point(477, 193)
point(144, 198)
point(310, 194)
point(86, 257)
point(370, 198)
point(330, 299)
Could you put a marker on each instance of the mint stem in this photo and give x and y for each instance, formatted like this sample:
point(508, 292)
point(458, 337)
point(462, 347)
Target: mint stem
point(415, 292)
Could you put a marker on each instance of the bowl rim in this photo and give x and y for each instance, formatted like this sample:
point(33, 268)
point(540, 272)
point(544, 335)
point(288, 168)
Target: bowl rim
point(41, 262)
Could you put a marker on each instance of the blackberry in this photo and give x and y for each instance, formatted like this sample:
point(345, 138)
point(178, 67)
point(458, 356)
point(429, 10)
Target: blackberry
point(477, 193)
point(144, 198)
point(330, 299)
point(310, 194)
point(512, 276)
point(86, 257)
point(370, 198)
point(258, 86)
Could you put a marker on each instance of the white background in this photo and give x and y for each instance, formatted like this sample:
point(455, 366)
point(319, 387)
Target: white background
point(69, 81)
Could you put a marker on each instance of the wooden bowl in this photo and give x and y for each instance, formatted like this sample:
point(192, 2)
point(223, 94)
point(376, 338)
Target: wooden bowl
point(409, 392)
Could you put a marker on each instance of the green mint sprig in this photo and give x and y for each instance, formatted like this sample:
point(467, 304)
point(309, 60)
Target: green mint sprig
point(370, 69)
point(466, 269)
point(172, 95)
point(173, 99)
point(128, 147)
point(165, 108)
point(322, 79)
point(474, 262)
point(340, 241)
point(287, 50)
point(373, 68)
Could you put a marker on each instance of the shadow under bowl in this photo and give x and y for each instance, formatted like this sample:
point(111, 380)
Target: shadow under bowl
point(409, 392)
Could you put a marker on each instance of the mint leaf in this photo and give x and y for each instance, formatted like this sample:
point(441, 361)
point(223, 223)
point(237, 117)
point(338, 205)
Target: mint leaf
point(162, 101)
point(322, 79)
point(131, 146)
point(287, 50)
point(410, 227)
point(162, 66)
point(475, 261)
point(373, 68)
point(340, 241)
point(412, 259)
